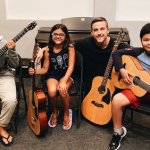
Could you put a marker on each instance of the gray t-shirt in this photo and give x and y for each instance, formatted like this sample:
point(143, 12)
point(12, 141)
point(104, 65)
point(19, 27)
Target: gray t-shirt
point(13, 59)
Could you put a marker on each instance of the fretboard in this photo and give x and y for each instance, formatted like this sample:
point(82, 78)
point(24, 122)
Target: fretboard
point(108, 68)
point(15, 39)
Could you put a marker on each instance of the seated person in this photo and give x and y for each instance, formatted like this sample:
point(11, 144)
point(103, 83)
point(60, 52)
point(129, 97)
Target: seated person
point(7, 88)
point(59, 63)
point(127, 97)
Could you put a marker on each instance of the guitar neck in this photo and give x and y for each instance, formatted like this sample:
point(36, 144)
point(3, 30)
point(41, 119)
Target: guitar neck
point(108, 68)
point(142, 84)
point(33, 83)
point(15, 39)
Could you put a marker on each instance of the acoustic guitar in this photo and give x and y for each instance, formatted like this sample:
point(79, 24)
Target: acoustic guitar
point(31, 26)
point(96, 106)
point(140, 80)
point(37, 118)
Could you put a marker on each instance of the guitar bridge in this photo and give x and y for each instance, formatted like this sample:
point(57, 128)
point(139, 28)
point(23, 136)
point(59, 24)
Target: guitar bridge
point(97, 104)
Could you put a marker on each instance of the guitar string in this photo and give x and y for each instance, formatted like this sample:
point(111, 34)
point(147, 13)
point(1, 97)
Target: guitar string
point(106, 75)
point(143, 85)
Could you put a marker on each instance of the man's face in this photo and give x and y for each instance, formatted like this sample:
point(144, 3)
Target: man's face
point(99, 31)
point(146, 42)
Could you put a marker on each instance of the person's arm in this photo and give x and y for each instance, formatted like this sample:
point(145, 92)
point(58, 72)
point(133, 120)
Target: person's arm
point(123, 46)
point(45, 67)
point(117, 61)
point(40, 55)
point(70, 69)
point(117, 57)
point(13, 60)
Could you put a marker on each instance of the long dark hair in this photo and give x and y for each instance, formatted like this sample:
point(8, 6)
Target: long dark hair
point(67, 40)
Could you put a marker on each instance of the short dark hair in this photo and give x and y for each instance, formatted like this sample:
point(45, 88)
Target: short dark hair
point(67, 40)
point(145, 30)
point(99, 19)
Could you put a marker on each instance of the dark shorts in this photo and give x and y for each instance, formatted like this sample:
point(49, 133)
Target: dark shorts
point(136, 101)
point(58, 79)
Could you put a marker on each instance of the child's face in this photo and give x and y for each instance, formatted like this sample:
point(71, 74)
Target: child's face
point(146, 42)
point(58, 36)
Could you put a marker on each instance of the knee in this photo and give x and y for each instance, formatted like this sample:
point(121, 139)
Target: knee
point(11, 102)
point(116, 102)
point(52, 92)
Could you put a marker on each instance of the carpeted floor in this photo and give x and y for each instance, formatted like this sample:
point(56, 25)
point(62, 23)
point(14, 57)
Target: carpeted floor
point(88, 137)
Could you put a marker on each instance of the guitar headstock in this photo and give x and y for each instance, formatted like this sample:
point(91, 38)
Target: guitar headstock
point(34, 51)
point(120, 37)
point(31, 25)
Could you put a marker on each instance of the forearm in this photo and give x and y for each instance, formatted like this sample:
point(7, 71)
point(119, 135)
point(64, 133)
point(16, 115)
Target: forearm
point(13, 60)
point(68, 74)
point(41, 71)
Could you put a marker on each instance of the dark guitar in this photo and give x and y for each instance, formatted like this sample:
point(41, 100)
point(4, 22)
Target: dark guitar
point(140, 81)
point(96, 106)
point(37, 118)
point(15, 39)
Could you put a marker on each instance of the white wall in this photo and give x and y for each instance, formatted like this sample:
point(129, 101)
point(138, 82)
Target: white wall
point(104, 8)
point(10, 28)
point(107, 9)
point(48, 9)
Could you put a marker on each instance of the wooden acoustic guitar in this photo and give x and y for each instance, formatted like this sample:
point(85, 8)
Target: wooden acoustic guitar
point(140, 80)
point(96, 107)
point(31, 26)
point(37, 118)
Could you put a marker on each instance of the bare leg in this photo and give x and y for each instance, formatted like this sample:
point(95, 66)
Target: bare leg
point(65, 98)
point(119, 101)
point(52, 92)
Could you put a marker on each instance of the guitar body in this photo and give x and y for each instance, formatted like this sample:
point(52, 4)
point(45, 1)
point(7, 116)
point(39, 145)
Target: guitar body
point(37, 118)
point(96, 107)
point(132, 65)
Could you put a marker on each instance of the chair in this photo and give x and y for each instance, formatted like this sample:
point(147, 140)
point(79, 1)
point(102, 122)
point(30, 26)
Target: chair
point(144, 108)
point(77, 88)
point(19, 84)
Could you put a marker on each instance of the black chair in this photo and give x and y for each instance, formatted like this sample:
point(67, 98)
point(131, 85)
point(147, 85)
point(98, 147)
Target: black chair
point(77, 88)
point(19, 85)
point(144, 108)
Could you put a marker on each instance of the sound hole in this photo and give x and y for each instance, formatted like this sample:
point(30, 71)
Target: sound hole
point(136, 80)
point(101, 89)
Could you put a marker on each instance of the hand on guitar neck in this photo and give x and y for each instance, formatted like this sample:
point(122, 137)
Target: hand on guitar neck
point(126, 75)
point(11, 44)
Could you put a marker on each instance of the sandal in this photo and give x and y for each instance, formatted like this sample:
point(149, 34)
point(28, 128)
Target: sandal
point(53, 123)
point(1, 140)
point(69, 122)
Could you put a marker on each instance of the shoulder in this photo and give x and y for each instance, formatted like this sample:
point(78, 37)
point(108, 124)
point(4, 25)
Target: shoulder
point(138, 50)
point(47, 53)
point(71, 46)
